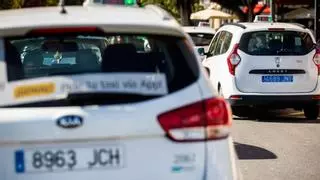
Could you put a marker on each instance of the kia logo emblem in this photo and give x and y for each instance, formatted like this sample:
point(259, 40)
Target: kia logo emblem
point(70, 121)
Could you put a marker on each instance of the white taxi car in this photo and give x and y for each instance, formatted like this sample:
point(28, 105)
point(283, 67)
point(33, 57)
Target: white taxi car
point(201, 37)
point(68, 114)
point(265, 64)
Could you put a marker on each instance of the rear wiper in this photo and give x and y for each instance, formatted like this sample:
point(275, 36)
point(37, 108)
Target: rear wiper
point(106, 98)
point(85, 99)
point(287, 52)
point(71, 73)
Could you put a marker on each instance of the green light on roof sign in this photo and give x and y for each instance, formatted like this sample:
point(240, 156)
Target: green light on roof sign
point(116, 2)
point(263, 18)
point(129, 2)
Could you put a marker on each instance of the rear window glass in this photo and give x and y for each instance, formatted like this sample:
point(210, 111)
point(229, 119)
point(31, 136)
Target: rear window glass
point(201, 39)
point(276, 43)
point(46, 56)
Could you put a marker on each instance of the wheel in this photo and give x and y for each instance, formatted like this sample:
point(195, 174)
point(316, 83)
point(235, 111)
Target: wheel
point(311, 112)
point(241, 111)
point(258, 113)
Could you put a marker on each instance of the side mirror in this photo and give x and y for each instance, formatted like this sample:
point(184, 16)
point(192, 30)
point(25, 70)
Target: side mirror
point(317, 46)
point(201, 51)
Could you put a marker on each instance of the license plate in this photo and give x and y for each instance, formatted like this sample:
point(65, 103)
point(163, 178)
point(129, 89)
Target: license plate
point(277, 79)
point(69, 159)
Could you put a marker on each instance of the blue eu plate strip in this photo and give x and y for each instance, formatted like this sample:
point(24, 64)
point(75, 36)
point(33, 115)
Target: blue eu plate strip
point(277, 78)
point(19, 161)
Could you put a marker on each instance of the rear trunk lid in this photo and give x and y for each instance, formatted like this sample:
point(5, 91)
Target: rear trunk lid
point(276, 62)
point(114, 142)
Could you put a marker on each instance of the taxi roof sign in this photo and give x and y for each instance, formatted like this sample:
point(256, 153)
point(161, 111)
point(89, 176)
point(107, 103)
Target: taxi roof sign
point(263, 18)
point(111, 2)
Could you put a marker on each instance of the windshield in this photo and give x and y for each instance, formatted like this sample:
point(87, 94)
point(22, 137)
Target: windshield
point(276, 43)
point(135, 56)
point(201, 39)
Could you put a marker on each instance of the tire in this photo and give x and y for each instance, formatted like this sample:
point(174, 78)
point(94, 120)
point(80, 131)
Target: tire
point(311, 112)
point(258, 113)
point(241, 111)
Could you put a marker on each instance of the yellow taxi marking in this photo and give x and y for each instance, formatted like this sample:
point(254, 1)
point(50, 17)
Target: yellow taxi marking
point(42, 89)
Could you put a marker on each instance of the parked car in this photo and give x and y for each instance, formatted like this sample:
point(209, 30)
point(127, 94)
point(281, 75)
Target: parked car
point(133, 114)
point(265, 64)
point(201, 37)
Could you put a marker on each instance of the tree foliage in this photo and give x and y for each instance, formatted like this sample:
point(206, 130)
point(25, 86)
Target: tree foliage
point(180, 9)
point(235, 6)
point(14, 4)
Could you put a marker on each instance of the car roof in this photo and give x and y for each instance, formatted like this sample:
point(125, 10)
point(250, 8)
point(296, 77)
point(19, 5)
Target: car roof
point(256, 26)
point(264, 25)
point(147, 19)
point(197, 29)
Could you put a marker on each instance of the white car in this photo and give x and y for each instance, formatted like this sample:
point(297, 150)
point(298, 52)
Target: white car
point(135, 115)
point(201, 37)
point(272, 65)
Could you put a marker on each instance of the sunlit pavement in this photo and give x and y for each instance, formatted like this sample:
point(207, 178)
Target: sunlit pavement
point(283, 146)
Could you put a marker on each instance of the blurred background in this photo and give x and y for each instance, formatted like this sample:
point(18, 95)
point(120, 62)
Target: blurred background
point(213, 12)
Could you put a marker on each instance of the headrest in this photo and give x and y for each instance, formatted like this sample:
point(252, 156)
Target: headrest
point(33, 58)
point(120, 49)
point(120, 57)
point(86, 56)
point(13, 61)
point(53, 46)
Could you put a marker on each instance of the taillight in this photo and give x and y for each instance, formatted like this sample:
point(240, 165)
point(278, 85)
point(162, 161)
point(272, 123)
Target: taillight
point(233, 59)
point(317, 97)
point(276, 29)
point(316, 60)
point(206, 120)
point(235, 97)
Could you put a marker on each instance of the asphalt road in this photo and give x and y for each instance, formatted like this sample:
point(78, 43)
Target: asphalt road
point(282, 147)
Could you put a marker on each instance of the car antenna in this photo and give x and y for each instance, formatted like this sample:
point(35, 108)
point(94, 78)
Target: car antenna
point(62, 5)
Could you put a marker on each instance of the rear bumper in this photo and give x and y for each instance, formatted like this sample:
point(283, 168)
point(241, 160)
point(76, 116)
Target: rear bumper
point(274, 101)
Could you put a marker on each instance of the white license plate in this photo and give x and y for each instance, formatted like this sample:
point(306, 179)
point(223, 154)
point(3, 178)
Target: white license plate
point(68, 159)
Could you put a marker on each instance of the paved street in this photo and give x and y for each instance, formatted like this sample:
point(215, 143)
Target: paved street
point(280, 148)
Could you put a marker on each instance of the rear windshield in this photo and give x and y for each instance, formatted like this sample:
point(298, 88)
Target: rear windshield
point(276, 43)
point(64, 55)
point(201, 39)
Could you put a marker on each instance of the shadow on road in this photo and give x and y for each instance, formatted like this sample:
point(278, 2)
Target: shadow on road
point(249, 152)
point(283, 116)
point(282, 119)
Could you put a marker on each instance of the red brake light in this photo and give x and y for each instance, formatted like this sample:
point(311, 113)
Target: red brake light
point(64, 30)
point(316, 60)
point(316, 97)
point(276, 29)
point(235, 97)
point(233, 59)
point(205, 120)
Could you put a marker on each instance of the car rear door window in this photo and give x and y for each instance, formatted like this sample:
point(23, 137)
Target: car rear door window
point(217, 50)
point(226, 43)
point(214, 44)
